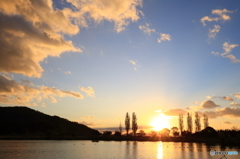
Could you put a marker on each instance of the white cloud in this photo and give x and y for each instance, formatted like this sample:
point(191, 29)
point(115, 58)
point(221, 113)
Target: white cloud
point(164, 37)
point(213, 32)
point(227, 52)
point(133, 62)
point(89, 91)
point(222, 15)
point(68, 72)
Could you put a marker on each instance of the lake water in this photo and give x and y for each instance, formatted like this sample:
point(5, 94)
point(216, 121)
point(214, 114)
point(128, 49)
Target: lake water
point(80, 149)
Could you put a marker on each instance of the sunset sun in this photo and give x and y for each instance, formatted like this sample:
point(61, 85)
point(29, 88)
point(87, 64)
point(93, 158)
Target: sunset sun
point(159, 122)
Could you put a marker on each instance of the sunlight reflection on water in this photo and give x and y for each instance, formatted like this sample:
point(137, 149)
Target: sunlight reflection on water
point(160, 151)
point(77, 149)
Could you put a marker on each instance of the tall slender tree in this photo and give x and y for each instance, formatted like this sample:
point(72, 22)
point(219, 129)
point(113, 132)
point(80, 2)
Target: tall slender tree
point(134, 123)
point(181, 126)
point(205, 121)
point(127, 123)
point(189, 122)
point(197, 122)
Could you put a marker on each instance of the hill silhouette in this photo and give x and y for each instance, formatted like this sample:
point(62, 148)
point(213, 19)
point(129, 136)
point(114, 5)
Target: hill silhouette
point(29, 123)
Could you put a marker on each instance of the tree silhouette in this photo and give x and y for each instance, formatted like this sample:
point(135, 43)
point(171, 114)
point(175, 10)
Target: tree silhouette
point(175, 131)
point(142, 133)
point(134, 123)
point(189, 122)
point(197, 122)
point(127, 123)
point(181, 126)
point(205, 121)
point(165, 132)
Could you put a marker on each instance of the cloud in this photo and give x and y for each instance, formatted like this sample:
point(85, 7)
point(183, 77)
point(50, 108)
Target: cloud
point(164, 37)
point(89, 123)
point(213, 32)
point(227, 122)
point(221, 15)
point(33, 30)
point(227, 98)
point(12, 92)
point(237, 95)
point(133, 62)
point(234, 104)
point(230, 112)
point(68, 72)
point(174, 112)
point(146, 29)
point(121, 12)
point(210, 114)
point(207, 104)
point(89, 90)
point(88, 117)
point(227, 50)
point(30, 31)
point(54, 100)
point(158, 111)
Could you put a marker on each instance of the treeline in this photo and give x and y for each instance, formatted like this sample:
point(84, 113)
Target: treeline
point(127, 127)
point(189, 122)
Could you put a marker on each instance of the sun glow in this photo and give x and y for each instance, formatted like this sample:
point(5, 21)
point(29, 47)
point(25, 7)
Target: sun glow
point(159, 122)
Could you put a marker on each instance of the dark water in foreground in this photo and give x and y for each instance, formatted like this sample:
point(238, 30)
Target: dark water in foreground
point(63, 149)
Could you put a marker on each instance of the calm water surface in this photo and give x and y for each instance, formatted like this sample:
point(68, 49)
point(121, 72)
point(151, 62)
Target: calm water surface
point(41, 149)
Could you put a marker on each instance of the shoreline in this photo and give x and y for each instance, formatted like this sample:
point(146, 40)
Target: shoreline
point(208, 140)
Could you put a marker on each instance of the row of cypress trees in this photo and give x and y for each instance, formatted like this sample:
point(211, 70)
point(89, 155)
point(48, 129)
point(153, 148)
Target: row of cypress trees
point(127, 124)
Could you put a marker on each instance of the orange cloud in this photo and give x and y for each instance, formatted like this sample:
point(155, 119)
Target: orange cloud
point(234, 104)
point(146, 29)
point(88, 117)
point(12, 92)
point(227, 50)
point(227, 98)
point(213, 32)
point(33, 35)
point(221, 15)
point(227, 122)
point(174, 112)
point(89, 91)
point(164, 37)
point(121, 12)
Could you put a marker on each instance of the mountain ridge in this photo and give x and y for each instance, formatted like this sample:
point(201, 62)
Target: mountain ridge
point(26, 122)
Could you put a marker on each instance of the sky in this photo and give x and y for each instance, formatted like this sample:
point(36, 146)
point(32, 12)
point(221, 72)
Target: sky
point(92, 61)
